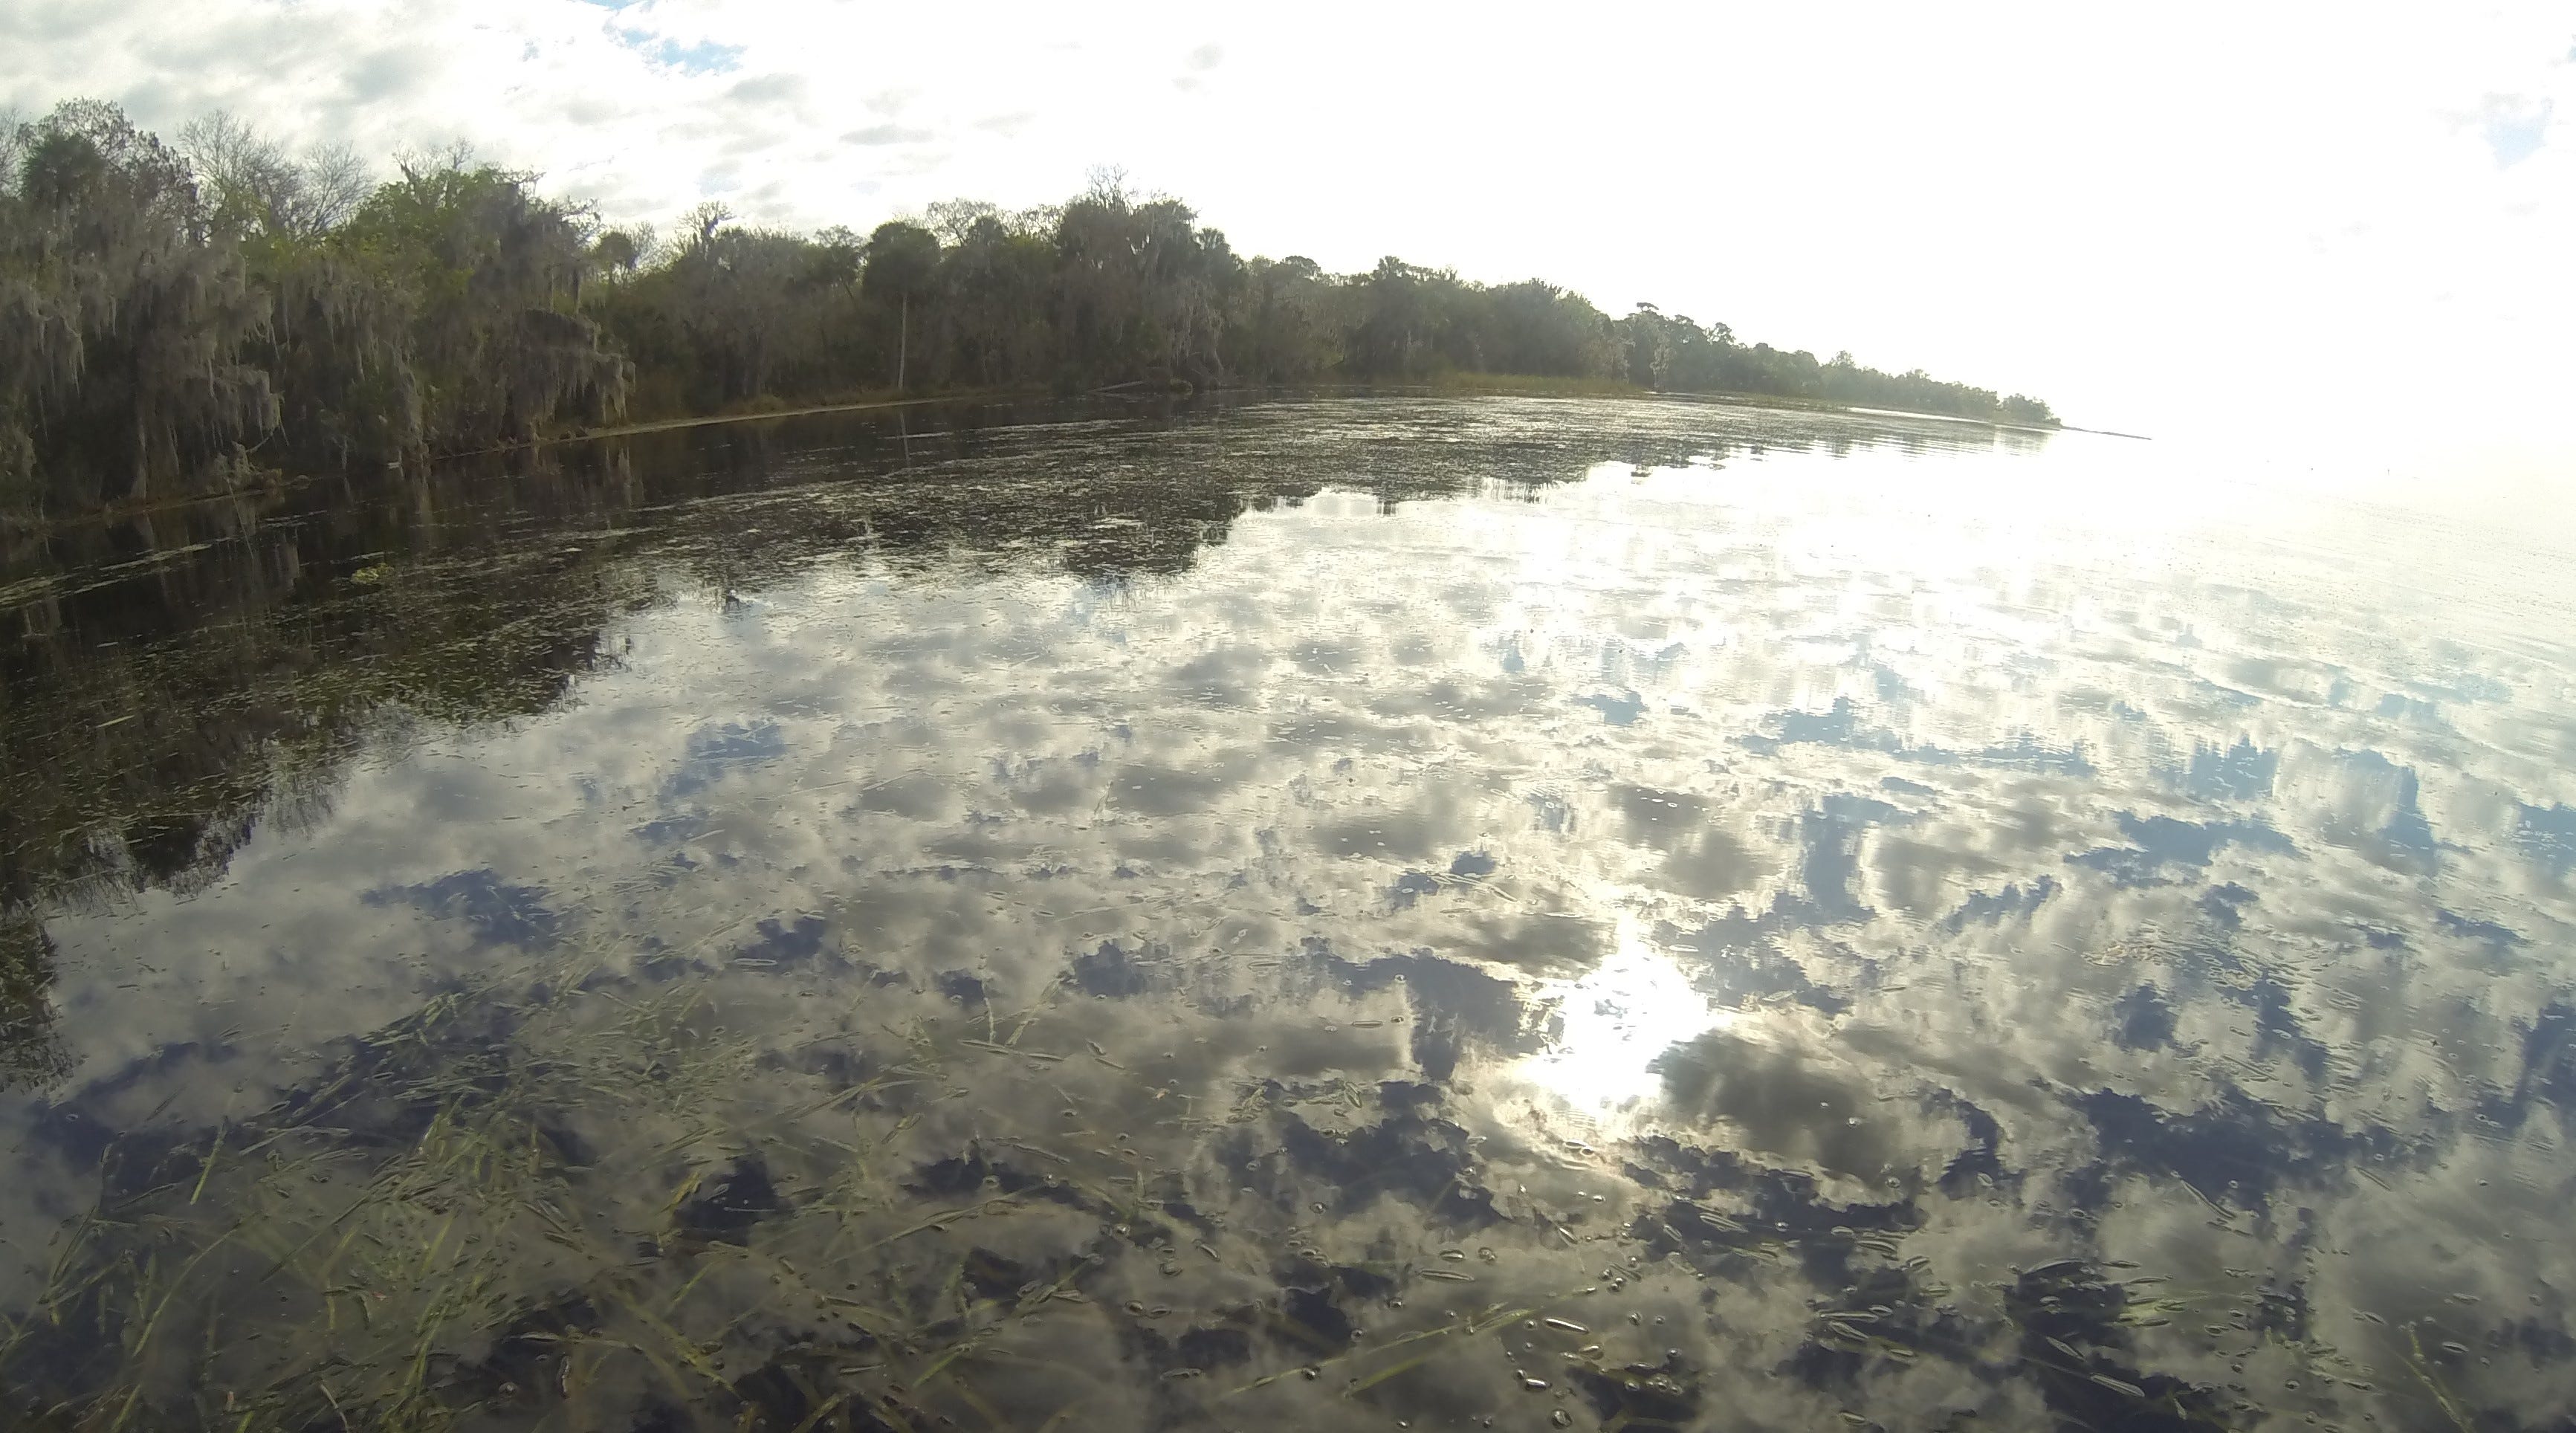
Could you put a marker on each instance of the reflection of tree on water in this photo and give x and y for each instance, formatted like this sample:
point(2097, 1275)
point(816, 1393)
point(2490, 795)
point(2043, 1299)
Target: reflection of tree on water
point(29, 1052)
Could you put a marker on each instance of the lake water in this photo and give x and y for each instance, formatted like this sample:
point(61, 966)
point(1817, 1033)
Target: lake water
point(1358, 913)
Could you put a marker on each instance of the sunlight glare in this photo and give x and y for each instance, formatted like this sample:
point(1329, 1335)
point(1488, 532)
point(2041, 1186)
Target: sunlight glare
point(1619, 1018)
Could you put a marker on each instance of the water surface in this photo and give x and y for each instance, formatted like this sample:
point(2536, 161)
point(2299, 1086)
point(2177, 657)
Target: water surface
point(1339, 914)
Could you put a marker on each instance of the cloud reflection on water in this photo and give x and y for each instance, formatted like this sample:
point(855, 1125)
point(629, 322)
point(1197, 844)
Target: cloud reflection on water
point(1821, 842)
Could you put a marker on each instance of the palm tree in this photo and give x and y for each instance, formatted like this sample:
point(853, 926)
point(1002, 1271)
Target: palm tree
point(900, 263)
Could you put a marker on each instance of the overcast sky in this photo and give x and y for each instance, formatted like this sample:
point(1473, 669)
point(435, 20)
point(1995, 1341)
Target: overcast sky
point(2350, 215)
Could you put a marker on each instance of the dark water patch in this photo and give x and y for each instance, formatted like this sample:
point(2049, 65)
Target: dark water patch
point(1538, 943)
point(2235, 1151)
point(1979, 1167)
point(2486, 932)
point(1114, 972)
point(1830, 837)
point(1617, 708)
point(497, 911)
point(784, 944)
point(1841, 726)
point(2548, 1067)
point(1736, 1219)
point(714, 751)
point(1316, 1318)
point(1736, 959)
point(1465, 869)
point(1410, 1153)
point(1699, 861)
point(1838, 725)
point(1994, 908)
point(1410, 888)
point(2278, 1028)
point(1658, 819)
point(1778, 1101)
point(2026, 752)
point(1452, 1006)
point(2073, 1337)
point(2548, 836)
point(2240, 771)
point(2377, 785)
point(2159, 843)
point(2224, 906)
point(2143, 1019)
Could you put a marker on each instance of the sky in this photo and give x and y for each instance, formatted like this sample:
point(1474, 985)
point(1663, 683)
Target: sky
point(2340, 229)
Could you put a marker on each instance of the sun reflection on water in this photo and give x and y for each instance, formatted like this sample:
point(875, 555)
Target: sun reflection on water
point(1616, 1021)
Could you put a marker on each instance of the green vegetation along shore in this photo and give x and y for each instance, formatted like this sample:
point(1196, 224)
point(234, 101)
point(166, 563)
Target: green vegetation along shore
point(190, 317)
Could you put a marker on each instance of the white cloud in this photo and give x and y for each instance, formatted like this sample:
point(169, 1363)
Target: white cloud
point(887, 134)
point(2516, 126)
point(2345, 218)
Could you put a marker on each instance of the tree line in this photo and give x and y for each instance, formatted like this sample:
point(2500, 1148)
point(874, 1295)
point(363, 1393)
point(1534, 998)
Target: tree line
point(187, 317)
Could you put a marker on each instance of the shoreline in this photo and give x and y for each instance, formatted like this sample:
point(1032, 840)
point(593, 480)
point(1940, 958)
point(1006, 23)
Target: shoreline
point(1466, 386)
point(705, 420)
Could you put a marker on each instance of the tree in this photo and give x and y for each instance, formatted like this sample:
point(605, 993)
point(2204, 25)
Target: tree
point(951, 220)
point(616, 252)
point(255, 188)
point(901, 259)
point(125, 318)
point(997, 285)
point(1395, 317)
point(179, 319)
point(487, 278)
point(1285, 329)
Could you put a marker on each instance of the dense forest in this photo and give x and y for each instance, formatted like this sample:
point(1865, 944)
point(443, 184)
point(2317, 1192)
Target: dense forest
point(194, 316)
